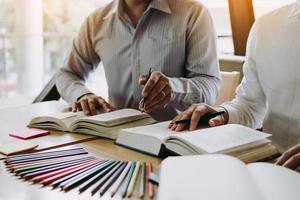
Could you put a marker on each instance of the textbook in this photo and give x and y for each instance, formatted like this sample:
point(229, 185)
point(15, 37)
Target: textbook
point(104, 125)
point(245, 143)
point(215, 177)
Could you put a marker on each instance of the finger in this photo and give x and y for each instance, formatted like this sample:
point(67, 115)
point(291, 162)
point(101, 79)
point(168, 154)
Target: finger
point(180, 127)
point(199, 111)
point(182, 116)
point(74, 107)
point(160, 100)
point(160, 86)
point(143, 79)
point(197, 114)
point(92, 106)
point(217, 121)
point(293, 162)
point(85, 107)
point(173, 121)
point(289, 153)
point(173, 128)
point(158, 103)
point(106, 106)
point(298, 169)
point(155, 76)
point(185, 115)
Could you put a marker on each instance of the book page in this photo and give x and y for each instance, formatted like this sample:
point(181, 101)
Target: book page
point(57, 121)
point(145, 138)
point(275, 182)
point(222, 138)
point(116, 117)
point(159, 130)
point(213, 177)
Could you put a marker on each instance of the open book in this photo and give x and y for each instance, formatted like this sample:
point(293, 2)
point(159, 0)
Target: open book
point(247, 144)
point(215, 177)
point(104, 125)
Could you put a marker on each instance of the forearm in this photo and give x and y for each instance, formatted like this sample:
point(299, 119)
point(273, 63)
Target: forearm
point(200, 89)
point(246, 113)
point(70, 86)
point(82, 59)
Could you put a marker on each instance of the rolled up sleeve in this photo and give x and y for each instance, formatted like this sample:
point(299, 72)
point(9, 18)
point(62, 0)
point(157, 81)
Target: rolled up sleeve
point(82, 59)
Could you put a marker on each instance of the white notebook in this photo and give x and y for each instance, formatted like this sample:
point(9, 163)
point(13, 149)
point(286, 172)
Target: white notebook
point(221, 177)
point(153, 139)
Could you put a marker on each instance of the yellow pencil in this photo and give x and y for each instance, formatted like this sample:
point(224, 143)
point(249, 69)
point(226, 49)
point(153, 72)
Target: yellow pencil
point(133, 179)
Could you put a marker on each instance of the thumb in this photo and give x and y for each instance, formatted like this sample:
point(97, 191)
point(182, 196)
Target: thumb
point(217, 121)
point(143, 79)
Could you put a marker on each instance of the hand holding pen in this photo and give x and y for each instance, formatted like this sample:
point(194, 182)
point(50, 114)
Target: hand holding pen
point(156, 92)
point(199, 114)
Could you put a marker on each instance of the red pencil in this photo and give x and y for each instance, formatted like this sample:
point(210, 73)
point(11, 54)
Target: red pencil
point(150, 185)
point(65, 171)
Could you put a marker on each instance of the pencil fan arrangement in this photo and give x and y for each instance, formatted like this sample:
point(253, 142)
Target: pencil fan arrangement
point(75, 169)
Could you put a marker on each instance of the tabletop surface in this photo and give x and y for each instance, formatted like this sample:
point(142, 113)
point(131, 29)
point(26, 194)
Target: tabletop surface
point(13, 188)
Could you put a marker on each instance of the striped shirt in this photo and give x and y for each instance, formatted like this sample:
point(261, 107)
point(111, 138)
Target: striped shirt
point(175, 37)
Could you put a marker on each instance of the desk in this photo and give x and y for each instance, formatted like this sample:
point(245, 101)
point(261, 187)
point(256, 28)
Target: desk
point(12, 188)
point(17, 118)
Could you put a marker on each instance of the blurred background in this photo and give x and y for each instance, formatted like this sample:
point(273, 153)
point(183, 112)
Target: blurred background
point(36, 35)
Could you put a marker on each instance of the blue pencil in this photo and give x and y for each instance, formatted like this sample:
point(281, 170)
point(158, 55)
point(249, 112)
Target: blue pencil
point(128, 179)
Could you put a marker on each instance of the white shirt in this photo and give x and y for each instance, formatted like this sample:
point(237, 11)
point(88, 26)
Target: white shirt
point(269, 95)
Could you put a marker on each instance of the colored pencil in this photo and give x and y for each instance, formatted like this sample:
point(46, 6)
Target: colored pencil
point(133, 179)
point(128, 178)
point(45, 152)
point(35, 173)
point(150, 185)
point(112, 179)
point(43, 177)
point(119, 181)
point(63, 181)
point(39, 155)
point(50, 168)
point(37, 164)
point(105, 178)
point(142, 180)
point(50, 179)
point(92, 181)
point(47, 157)
point(81, 178)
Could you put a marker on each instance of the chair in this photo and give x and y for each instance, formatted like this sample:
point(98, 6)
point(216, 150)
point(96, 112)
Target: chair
point(230, 81)
point(49, 92)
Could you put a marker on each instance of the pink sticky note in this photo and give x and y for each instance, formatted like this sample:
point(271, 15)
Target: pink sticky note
point(29, 133)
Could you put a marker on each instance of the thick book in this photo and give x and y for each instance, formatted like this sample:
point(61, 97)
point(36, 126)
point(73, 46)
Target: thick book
point(104, 125)
point(215, 177)
point(245, 143)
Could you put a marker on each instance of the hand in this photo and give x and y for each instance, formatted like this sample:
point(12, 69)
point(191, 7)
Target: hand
point(89, 103)
point(157, 91)
point(195, 112)
point(291, 158)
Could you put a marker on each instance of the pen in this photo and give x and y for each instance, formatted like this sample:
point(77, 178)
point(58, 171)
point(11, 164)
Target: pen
point(204, 119)
point(142, 102)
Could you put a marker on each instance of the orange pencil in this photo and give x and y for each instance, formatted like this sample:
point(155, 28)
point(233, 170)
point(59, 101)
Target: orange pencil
point(150, 185)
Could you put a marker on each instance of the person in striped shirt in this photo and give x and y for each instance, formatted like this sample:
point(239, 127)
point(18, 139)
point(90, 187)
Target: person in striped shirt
point(175, 38)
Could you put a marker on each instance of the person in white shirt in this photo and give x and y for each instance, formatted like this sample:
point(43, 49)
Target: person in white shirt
point(269, 94)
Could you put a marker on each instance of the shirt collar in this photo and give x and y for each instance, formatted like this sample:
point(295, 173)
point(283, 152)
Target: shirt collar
point(295, 10)
point(161, 5)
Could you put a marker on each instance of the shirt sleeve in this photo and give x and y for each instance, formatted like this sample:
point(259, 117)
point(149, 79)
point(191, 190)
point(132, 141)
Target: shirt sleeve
point(202, 81)
point(249, 106)
point(70, 80)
